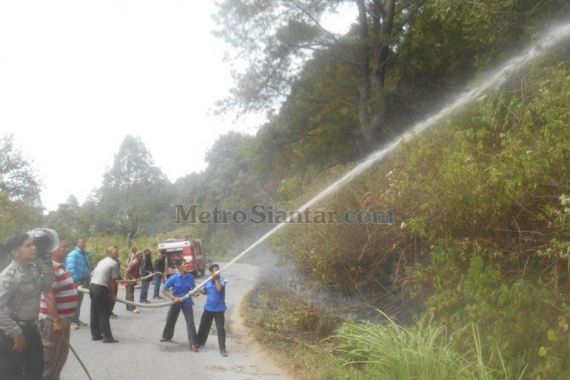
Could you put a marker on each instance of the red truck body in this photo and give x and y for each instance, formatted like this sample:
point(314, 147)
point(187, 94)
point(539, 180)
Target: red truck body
point(189, 250)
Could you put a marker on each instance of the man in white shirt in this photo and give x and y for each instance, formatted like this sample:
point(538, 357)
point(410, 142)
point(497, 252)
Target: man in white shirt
point(102, 293)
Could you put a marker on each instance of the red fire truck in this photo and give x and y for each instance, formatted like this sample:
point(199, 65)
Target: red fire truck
point(188, 249)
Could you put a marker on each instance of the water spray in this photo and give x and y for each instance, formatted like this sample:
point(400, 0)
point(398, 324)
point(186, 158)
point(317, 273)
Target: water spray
point(552, 37)
point(494, 79)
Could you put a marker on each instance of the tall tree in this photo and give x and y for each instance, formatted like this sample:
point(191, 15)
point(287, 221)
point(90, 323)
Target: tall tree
point(276, 37)
point(134, 193)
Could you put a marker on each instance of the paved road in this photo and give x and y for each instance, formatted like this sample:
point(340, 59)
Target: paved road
point(139, 354)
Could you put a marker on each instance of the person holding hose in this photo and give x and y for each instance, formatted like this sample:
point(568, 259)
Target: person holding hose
point(177, 286)
point(214, 308)
point(102, 294)
point(132, 275)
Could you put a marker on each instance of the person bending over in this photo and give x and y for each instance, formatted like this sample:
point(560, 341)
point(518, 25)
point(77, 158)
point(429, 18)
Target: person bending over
point(102, 294)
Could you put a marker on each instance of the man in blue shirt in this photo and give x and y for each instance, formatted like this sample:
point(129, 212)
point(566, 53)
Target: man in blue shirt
point(214, 308)
point(177, 286)
point(77, 263)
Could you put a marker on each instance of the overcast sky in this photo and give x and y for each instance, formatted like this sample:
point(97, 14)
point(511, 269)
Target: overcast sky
point(77, 76)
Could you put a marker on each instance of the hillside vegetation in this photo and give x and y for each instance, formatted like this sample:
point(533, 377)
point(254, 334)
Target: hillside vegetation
point(473, 278)
point(482, 231)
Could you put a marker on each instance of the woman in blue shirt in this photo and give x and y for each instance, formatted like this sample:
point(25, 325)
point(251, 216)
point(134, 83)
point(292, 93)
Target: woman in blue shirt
point(177, 286)
point(214, 308)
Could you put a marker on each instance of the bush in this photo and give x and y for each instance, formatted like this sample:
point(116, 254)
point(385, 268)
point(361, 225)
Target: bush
point(423, 352)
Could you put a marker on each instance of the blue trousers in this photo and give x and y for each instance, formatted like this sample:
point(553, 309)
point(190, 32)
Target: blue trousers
point(75, 318)
point(157, 278)
point(144, 290)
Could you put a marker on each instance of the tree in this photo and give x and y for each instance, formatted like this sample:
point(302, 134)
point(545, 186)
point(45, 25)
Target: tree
point(276, 38)
point(17, 177)
point(69, 220)
point(135, 193)
point(19, 190)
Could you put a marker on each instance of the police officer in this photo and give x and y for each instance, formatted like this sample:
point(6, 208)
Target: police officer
point(21, 352)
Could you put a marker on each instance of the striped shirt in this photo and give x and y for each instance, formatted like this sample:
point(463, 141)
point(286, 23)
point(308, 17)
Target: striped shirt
point(65, 293)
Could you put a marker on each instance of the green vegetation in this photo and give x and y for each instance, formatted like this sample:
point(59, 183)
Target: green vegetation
point(391, 351)
point(482, 201)
point(482, 233)
point(295, 330)
point(18, 189)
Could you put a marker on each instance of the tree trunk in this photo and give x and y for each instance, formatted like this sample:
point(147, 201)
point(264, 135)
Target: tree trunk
point(383, 20)
point(131, 234)
point(364, 75)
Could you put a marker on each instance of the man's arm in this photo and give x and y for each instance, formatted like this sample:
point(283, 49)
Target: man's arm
point(165, 290)
point(49, 298)
point(8, 286)
point(218, 283)
point(113, 283)
point(171, 296)
point(113, 289)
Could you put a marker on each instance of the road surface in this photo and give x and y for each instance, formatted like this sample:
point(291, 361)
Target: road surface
point(140, 355)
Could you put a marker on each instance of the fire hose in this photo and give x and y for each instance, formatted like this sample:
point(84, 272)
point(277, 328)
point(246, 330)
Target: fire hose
point(155, 305)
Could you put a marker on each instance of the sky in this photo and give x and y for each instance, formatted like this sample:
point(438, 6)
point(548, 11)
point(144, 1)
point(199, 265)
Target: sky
point(76, 77)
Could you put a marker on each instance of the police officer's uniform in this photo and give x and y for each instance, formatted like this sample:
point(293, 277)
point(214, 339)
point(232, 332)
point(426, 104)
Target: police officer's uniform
point(20, 288)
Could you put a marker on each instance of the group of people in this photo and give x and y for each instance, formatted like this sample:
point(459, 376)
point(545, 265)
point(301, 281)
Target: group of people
point(40, 302)
point(141, 268)
point(177, 287)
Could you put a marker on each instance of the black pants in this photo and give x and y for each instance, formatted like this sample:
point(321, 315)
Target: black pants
point(101, 306)
point(25, 365)
point(171, 318)
point(206, 323)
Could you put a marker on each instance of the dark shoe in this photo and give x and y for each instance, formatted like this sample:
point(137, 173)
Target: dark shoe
point(110, 340)
point(194, 348)
point(164, 340)
point(97, 338)
point(223, 352)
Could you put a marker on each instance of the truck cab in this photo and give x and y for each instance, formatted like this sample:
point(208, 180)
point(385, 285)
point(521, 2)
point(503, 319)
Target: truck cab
point(187, 249)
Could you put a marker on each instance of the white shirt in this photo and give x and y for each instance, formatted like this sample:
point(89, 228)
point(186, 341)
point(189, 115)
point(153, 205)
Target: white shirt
point(105, 271)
